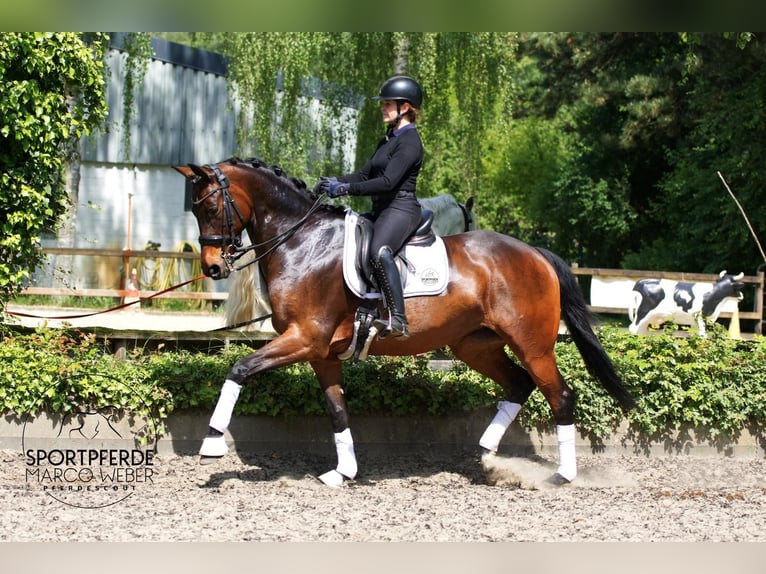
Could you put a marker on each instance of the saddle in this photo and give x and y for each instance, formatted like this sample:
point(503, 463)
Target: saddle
point(423, 236)
point(423, 268)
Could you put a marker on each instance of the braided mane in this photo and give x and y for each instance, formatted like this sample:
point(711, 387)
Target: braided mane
point(257, 163)
point(297, 183)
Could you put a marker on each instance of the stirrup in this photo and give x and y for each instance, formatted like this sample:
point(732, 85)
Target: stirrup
point(396, 327)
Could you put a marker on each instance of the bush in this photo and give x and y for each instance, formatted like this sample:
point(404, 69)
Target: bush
point(716, 384)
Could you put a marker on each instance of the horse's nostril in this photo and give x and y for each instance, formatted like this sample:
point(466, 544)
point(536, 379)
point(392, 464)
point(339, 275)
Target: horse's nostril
point(214, 272)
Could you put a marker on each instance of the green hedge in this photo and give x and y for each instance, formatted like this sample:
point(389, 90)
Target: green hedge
point(716, 384)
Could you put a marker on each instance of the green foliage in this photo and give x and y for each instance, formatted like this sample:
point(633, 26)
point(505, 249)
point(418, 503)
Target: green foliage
point(61, 372)
point(647, 119)
point(465, 77)
point(591, 144)
point(715, 384)
point(138, 50)
point(53, 93)
point(725, 122)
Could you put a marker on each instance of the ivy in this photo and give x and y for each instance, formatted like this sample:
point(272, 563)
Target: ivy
point(53, 93)
point(138, 51)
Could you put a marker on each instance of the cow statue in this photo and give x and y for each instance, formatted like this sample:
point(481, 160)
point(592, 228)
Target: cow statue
point(656, 301)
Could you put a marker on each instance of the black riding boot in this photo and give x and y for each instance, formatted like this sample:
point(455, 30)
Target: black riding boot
point(387, 275)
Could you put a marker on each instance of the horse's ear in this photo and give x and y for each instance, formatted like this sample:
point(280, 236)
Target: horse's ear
point(191, 170)
point(200, 171)
point(469, 203)
point(183, 170)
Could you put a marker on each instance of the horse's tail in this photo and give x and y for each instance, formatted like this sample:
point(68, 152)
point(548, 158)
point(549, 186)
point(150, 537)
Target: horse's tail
point(577, 318)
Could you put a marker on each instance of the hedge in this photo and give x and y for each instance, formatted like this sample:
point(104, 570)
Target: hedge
point(715, 383)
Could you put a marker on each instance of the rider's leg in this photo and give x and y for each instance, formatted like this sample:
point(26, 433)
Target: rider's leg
point(387, 275)
point(392, 228)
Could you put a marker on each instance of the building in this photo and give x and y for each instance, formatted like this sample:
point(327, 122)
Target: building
point(129, 198)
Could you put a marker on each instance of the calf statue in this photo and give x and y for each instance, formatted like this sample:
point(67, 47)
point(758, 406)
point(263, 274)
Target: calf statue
point(656, 301)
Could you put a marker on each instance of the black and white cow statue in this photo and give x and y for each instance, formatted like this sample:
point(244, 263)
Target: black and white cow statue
point(656, 301)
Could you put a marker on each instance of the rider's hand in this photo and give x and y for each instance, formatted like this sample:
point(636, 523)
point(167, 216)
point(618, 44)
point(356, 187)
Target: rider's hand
point(322, 186)
point(337, 188)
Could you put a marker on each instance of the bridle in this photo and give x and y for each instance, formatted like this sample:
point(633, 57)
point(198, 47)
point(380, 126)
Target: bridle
point(232, 241)
point(231, 244)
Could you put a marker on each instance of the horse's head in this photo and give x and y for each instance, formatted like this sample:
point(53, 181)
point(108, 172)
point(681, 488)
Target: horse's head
point(221, 215)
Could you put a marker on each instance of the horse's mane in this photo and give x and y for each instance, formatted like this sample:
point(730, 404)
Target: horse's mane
point(248, 293)
point(257, 163)
point(295, 183)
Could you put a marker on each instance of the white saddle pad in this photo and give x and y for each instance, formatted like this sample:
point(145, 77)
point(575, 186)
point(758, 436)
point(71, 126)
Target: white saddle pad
point(428, 275)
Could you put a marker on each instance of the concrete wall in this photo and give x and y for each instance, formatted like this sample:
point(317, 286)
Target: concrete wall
point(459, 434)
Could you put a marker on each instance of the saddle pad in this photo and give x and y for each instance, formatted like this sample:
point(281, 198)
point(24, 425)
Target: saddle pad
point(431, 267)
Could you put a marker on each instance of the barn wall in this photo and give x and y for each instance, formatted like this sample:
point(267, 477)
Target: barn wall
point(182, 115)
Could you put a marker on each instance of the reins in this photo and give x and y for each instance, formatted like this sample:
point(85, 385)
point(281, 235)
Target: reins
point(115, 308)
point(128, 304)
point(275, 241)
point(231, 240)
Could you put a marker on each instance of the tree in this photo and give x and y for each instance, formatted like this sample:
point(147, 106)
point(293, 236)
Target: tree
point(638, 122)
point(723, 129)
point(601, 146)
point(608, 98)
point(52, 94)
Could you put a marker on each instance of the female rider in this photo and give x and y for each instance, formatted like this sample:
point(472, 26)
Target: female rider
point(389, 177)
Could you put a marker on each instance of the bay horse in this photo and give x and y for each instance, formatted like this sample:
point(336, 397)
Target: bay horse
point(248, 307)
point(501, 293)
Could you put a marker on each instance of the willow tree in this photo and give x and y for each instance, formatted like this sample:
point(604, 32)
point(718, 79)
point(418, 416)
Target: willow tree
point(465, 76)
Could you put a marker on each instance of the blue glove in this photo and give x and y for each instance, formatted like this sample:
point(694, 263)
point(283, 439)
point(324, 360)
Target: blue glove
point(337, 188)
point(322, 186)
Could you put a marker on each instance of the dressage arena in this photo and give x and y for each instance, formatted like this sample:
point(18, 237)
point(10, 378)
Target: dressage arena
point(408, 495)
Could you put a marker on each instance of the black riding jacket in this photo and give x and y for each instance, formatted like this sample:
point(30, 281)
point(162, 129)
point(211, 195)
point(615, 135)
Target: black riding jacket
point(390, 175)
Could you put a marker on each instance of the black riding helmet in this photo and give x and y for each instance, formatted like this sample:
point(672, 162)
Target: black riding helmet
point(401, 88)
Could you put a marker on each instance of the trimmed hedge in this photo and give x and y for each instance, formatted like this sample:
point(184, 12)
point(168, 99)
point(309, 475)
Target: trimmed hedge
point(716, 384)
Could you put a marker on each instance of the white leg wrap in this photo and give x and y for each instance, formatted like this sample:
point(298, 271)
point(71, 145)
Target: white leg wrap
point(344, 445)
point(567, 457)
point(225, 406)
point(506, 414)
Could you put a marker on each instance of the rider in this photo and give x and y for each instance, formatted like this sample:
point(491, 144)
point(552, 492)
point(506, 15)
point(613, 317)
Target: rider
point(389, 176)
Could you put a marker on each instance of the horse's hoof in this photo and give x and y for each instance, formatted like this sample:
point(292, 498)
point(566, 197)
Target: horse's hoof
point(558, 480)
point(213, 446)
point(332, 478)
